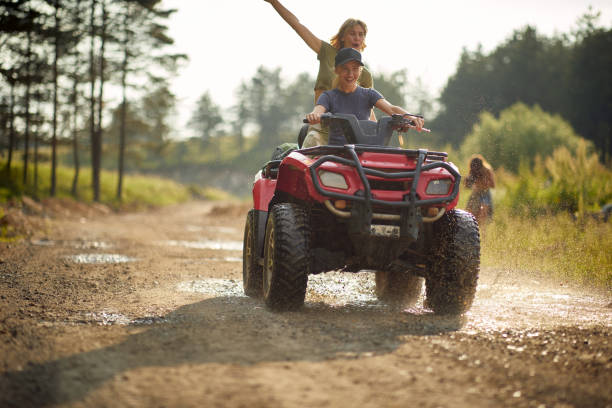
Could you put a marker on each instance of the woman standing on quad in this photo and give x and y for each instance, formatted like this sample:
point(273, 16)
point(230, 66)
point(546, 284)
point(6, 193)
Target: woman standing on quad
point(480, 180)
point(351, 34)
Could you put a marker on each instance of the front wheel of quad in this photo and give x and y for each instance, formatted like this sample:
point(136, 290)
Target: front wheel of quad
point(398, 288)
point(286, 257)
point(451, 282)
point(252, 279)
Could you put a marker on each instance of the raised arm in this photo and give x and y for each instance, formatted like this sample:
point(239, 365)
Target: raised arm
point(389, 109)
point(309, 38)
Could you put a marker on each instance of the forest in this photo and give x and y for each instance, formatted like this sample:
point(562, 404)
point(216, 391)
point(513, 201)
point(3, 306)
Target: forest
point(61, 59)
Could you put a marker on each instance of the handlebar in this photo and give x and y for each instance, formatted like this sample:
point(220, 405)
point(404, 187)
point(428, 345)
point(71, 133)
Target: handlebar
point(325, 115)
point(398, 121)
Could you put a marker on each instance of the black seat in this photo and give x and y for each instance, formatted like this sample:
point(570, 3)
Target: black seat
point(302, 135)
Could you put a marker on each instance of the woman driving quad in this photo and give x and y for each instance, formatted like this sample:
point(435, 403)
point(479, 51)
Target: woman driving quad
point(349, 97)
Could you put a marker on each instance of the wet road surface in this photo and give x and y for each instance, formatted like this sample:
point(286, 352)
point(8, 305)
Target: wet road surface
point(147, 309)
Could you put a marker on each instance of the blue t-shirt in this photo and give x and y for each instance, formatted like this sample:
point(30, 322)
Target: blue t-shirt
point(359, 103)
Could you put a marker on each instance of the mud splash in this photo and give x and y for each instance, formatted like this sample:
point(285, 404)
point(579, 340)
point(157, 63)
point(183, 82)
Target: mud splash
point(496, 307)
point(499, 307)
point(215, 287)
point(336, 288)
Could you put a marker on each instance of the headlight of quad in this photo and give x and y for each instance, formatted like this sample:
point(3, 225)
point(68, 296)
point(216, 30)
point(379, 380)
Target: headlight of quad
point(330, 179)
point(438, 187)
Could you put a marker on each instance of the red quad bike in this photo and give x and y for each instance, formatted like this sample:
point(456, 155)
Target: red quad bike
point(361, 206)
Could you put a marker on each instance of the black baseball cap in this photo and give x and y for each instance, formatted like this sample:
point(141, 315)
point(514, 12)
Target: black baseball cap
point(348, 54)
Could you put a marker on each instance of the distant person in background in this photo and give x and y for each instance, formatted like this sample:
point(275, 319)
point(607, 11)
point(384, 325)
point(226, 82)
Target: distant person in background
point(351, 34)
point(480, 179)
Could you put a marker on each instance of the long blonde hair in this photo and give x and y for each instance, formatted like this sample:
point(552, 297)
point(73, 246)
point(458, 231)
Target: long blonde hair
point(336, 40)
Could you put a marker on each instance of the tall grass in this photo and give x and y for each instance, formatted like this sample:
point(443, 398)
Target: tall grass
point(542, 219)
point(554, 245)
point(138, 191)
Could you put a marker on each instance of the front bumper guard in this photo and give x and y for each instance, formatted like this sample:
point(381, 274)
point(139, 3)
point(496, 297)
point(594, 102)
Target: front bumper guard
point(361, 213)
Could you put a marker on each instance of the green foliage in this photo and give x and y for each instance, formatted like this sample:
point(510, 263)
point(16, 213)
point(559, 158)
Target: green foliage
point(578, 181)
point(518, 135)
point(566, 181)
point(272, 105)
point(568, 75)
point(206, 118)
point(400, 91)
point(590, 90)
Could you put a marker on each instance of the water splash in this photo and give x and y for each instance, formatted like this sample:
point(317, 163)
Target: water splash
point(217, 287)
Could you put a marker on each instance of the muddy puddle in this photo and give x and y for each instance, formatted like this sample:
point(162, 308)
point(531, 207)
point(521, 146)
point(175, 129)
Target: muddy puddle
point(204, 261)
point(99, 258)
point(204, 244)
point(108, 318)
point(105, 318)
point(222, 230)
point(73, 244)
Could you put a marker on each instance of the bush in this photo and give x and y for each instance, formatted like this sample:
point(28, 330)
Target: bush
point(520, 134)
point(576, 183)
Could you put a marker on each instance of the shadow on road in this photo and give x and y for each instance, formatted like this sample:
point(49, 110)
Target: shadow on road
point(225, 330)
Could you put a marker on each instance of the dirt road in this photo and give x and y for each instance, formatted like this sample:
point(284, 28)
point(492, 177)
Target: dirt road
point(146, 309)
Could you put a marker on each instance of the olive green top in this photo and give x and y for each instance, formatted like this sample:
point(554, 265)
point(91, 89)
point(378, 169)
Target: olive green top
point(325, 78)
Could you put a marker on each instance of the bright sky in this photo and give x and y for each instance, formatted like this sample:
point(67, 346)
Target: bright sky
point(227, 40)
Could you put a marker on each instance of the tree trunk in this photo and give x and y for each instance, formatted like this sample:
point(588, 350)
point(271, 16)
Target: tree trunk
point(101, 57)
point(35, 130)
point(11, 128)
point(75, 113)
point(75, 142)
point(54, 126)
point(124, 68)
point(27, 107)
point(95, 158)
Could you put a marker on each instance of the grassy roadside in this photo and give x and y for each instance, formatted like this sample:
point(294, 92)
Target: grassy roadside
point(18, 202)
point(138, 191)
point(577, 251)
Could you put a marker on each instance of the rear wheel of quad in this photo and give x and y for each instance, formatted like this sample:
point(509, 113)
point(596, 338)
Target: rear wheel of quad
point(452, 279)
point(252, 272)
point(286, 257)
point(398, 288)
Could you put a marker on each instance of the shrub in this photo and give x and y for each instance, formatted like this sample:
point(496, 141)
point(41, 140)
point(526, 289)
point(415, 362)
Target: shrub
point(520, 134)
point(565, 181)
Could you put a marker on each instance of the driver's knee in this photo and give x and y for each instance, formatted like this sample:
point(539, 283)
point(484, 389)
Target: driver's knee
point(315, 137)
